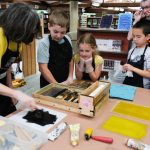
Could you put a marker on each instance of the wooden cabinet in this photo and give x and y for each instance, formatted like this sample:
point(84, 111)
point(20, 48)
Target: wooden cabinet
point(41, 32)
point(29, 58)
point(113, 34)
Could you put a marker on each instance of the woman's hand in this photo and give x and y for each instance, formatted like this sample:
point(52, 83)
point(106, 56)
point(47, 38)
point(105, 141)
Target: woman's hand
point(138, 15)
point(25, 101)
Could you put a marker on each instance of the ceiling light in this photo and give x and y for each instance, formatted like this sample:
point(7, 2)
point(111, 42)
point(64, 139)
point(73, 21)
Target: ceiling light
point(96, 3)
point(121, 9)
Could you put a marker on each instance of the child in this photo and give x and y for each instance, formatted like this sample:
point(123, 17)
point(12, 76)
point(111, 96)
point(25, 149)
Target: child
point(138, 61)
point(55, 52)
point(88, 65)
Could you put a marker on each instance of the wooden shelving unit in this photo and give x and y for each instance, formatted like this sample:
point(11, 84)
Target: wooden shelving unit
point(94, 22)
point(113, 34)
point(29, 59)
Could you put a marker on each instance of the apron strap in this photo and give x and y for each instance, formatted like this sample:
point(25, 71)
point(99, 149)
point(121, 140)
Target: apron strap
point(134, 49)
point(2, 75)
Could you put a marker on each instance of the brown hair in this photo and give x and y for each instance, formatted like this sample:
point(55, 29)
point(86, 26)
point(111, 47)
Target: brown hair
point(87, 38)
point(59, 17)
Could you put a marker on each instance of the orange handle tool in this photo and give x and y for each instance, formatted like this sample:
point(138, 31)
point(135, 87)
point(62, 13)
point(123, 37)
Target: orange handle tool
point(103, 139)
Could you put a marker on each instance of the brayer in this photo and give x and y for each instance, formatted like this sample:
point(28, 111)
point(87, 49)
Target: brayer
point(88, 135)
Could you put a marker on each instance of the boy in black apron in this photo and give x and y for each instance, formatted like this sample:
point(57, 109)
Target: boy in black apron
point(55, 52)
point(139, 57)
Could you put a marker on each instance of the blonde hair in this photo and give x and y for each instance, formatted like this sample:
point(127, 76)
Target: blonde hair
point(87, 38)
point(59, 17)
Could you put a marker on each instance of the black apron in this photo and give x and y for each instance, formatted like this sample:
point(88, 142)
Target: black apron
point(60, 56)
point(86, 75)
point(6, 104)
point(136, 80)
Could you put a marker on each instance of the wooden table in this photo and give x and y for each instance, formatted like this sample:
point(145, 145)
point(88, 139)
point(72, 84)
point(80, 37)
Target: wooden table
point(142, 97)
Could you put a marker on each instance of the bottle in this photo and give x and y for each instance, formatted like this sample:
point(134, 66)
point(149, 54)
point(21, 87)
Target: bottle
point(137, 145)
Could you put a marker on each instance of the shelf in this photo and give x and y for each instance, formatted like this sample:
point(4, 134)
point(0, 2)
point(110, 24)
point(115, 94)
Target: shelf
point(120, 5)
point(104, 7)
point(122, 56)
point(113, 52)
point(103, 30)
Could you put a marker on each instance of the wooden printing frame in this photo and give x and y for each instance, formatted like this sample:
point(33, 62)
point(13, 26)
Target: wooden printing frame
point(97, 100)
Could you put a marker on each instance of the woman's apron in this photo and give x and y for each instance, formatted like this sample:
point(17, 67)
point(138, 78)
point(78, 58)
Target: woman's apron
point(6, 104)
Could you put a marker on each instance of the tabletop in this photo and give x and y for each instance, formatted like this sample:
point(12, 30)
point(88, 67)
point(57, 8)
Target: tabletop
point(119, 141)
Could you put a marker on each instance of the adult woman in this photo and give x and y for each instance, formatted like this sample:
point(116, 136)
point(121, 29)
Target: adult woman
point(143, 14)
point(18, 24)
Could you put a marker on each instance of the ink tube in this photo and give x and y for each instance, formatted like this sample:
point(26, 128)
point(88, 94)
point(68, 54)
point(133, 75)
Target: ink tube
point(74, 130)
point(57, 131)
point(137, 145)
point(88, 133)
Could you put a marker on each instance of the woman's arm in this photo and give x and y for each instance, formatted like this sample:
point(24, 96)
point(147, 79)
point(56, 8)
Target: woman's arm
point(9, 84)
point(138, 15)
point(25, 100)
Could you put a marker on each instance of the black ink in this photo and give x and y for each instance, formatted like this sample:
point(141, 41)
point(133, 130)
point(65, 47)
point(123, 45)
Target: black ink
point(40, 117)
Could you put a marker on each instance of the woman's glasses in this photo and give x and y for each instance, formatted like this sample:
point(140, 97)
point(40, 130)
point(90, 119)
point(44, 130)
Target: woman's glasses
point(146, 7)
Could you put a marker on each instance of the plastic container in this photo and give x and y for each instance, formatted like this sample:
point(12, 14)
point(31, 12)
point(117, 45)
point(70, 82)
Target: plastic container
point(14, 136)
point(116, 77)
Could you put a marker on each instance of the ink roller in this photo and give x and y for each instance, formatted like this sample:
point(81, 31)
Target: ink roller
point(88, 135)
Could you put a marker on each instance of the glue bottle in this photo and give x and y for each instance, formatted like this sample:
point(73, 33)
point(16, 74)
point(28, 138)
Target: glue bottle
point(88, 133)
point(74, 129)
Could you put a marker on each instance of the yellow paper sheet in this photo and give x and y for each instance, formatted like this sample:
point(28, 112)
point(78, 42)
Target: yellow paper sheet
point(133, 110)
point(125, 127)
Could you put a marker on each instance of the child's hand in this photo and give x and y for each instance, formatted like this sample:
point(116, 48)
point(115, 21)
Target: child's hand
point(128, 67)
point(81, 64)
point(68, 81)
point(88, 63)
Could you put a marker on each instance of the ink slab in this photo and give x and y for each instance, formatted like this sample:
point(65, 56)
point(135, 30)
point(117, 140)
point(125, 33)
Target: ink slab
point(87, 100)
